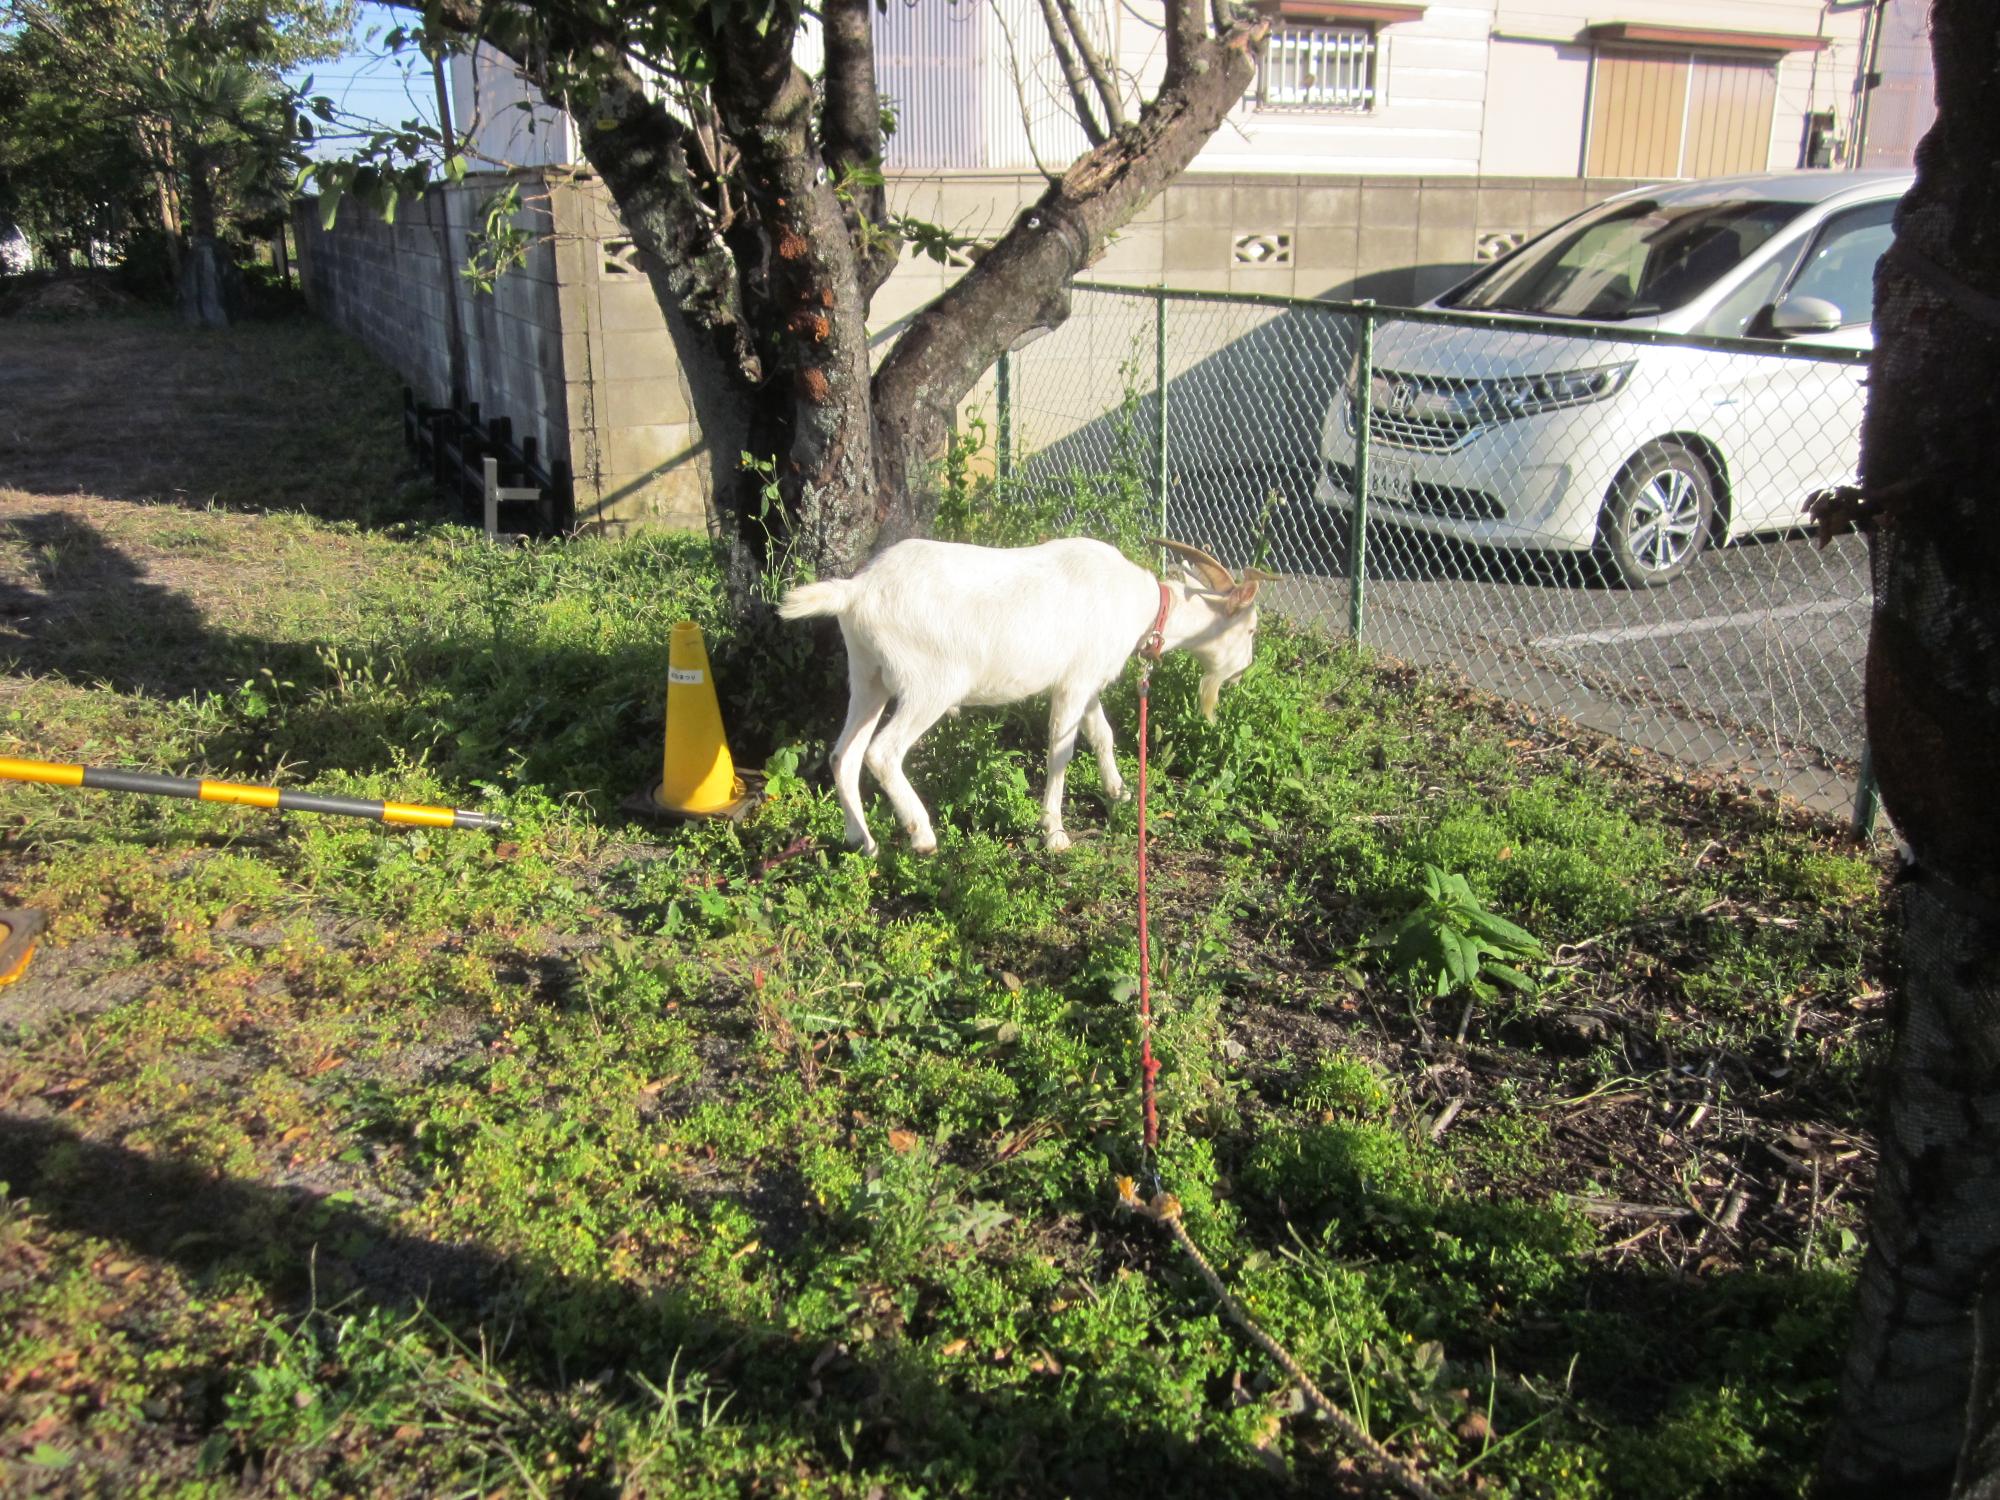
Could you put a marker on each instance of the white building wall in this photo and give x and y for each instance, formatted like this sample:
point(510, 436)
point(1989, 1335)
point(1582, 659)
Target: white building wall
point(1431, 85)
point(507, 121)
point(1546, 121)
point(1546, 140)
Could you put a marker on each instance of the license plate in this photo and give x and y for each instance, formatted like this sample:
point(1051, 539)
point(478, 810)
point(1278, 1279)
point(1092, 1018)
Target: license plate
point(1389, 482)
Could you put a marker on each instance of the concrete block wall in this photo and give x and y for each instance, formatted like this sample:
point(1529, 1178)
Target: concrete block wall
point(393, 287)
point(644, 397)
point(575, 349)
point(1245, 382)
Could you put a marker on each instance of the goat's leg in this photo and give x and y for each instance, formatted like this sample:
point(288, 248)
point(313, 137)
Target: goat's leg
point(885, 762)
point(1097, 729)
point(1066, 713)
point(866, 698)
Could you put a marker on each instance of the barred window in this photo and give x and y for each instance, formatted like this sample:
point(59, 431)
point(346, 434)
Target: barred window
point(1318, 67)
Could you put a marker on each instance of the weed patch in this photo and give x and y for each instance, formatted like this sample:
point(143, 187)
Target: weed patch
point(599, 1157)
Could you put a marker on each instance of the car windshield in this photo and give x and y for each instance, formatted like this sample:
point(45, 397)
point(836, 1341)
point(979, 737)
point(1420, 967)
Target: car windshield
point(1628, 259)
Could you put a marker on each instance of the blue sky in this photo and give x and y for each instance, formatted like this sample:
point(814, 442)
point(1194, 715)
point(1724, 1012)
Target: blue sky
point(370, 83)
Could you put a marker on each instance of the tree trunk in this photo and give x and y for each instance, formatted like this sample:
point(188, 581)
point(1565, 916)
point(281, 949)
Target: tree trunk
point(777, 256)
point(1913, 1411)
point(205, 288)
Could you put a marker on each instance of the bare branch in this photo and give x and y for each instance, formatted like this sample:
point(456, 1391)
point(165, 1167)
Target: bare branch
point(1021, 92)
point(1072, 71)
point(1093, 61)
point(853, 135)
point(1022, 283)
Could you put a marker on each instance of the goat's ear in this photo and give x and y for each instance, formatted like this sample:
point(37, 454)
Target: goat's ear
point(1213, 574)
point(1245, 593)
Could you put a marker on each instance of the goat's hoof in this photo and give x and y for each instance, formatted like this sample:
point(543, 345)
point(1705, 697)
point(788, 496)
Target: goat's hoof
point(923, 846)
point(1056, 842)
point(1118, 793)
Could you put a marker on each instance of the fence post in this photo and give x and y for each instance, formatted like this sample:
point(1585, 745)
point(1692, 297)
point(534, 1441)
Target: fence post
point(1363, 386)
point(1160, 420)
point(1003, 459)
point(490, 475)
point(1867, 798)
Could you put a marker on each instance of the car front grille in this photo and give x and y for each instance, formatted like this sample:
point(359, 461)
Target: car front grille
point(1408, 432)
point(1449, 502)
point(1431, 437)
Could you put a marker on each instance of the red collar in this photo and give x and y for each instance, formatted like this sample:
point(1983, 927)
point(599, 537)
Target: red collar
point(1154, 641)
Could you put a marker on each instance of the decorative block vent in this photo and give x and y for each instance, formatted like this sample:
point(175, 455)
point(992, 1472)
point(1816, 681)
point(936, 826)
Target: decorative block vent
point(1262, 250)
point(1494, 243)
point(618, 258)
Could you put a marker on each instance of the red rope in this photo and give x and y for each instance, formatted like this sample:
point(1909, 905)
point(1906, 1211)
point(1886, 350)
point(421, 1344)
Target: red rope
point(1150, 648)
point(1149, 1067)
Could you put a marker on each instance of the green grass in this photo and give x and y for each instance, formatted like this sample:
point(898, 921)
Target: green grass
point(599, 1158)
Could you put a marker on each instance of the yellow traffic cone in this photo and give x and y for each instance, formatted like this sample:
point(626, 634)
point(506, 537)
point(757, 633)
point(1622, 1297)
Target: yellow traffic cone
point(697, 775)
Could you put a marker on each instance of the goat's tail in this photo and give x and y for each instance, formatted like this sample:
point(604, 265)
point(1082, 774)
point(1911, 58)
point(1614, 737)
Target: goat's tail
point(810, 599)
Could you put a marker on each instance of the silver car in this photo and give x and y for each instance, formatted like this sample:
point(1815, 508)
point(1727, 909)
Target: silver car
point(1644, 452)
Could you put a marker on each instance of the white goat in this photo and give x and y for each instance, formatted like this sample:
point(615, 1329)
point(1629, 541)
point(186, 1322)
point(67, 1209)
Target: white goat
point(937, 624)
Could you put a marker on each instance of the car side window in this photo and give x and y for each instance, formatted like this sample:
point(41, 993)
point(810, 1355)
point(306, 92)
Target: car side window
point(1735, 314)
point(1840, 267)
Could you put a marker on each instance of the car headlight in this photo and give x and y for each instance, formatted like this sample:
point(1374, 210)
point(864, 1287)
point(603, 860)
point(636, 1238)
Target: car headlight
point(1524, 395)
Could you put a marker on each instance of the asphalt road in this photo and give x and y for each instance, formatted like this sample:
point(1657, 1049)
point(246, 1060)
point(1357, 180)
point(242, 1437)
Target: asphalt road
point(1751, 661)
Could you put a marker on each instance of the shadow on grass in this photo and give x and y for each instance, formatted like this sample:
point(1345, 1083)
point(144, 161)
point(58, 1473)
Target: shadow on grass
point(90, 614)
point(877, 1404)
point(277, 415)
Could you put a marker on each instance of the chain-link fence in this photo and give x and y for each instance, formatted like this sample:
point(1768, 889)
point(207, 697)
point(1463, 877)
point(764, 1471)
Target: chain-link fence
point(1600, 522)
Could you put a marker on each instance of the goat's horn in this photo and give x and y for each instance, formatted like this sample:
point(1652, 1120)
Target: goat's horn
point(1212, 572)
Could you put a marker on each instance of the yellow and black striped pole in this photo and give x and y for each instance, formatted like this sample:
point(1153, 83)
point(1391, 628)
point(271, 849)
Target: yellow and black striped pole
point(411, 814)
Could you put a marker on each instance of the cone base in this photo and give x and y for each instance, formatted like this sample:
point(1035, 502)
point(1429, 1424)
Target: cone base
point(648, 804)
point(18, 932)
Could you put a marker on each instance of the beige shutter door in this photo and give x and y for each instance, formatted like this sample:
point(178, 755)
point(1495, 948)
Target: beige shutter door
point(1730, 103)
point(1637, 105)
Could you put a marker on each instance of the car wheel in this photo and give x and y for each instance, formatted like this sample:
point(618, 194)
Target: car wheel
point(1657, 518)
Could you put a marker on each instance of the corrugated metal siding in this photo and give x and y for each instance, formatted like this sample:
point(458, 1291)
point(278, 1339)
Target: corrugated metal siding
point(930, 66)
point(1638, 102)
point(1729, 116)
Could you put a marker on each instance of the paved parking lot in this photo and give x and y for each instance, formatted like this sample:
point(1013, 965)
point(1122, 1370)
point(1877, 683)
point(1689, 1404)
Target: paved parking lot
point(1752, 660)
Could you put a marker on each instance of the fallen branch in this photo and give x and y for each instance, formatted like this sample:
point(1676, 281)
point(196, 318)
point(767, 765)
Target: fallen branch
point(1165, 1210)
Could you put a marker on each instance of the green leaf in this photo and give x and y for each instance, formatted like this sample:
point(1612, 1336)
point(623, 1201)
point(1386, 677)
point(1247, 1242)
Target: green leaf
point(1499, 930)
point(1511, 977)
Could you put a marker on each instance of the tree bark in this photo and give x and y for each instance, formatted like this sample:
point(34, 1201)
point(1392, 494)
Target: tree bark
point(1914, 1417)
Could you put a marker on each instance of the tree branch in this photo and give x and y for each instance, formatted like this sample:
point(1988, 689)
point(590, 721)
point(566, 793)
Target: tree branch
point(1079, 91)
point(852, 134)
point(1022, 283)
point(1186, 29)
point(642, 153)
point(1093, 62)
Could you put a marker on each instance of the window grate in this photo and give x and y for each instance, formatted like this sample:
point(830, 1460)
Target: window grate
point(1318, 67)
